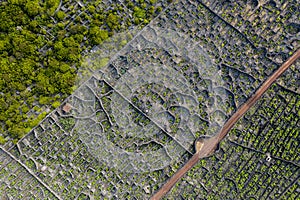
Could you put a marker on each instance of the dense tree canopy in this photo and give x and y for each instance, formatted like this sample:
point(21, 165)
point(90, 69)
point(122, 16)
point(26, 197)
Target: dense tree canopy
point(27, 76)
point(40, 51)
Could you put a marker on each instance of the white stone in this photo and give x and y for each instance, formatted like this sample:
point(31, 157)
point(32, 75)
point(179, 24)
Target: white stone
point(147, 189)
point(44, 168)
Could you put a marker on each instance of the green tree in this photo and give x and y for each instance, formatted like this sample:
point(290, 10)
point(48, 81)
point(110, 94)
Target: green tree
point(97, 35)
point(2, 140)
point(139, 12)
point(55, 104)
point(113, 21)
point(60, 15)
point(32, 7)
point(51, 6)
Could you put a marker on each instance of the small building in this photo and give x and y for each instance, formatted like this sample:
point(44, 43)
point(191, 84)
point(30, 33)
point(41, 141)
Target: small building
point(67, 108)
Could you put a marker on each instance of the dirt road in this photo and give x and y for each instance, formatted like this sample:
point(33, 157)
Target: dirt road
point(209, 145)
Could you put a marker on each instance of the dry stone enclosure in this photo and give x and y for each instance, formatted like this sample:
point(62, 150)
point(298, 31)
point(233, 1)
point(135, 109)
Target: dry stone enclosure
point(133, 122)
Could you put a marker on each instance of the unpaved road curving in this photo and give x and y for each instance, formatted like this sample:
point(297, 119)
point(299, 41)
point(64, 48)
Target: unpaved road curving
point(209, 145)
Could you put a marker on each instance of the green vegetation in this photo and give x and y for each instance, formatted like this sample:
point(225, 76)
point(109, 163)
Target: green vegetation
point(29, 76)
point(67, 123)
point(143, 11)
point(39, 60)
point(40, 52)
